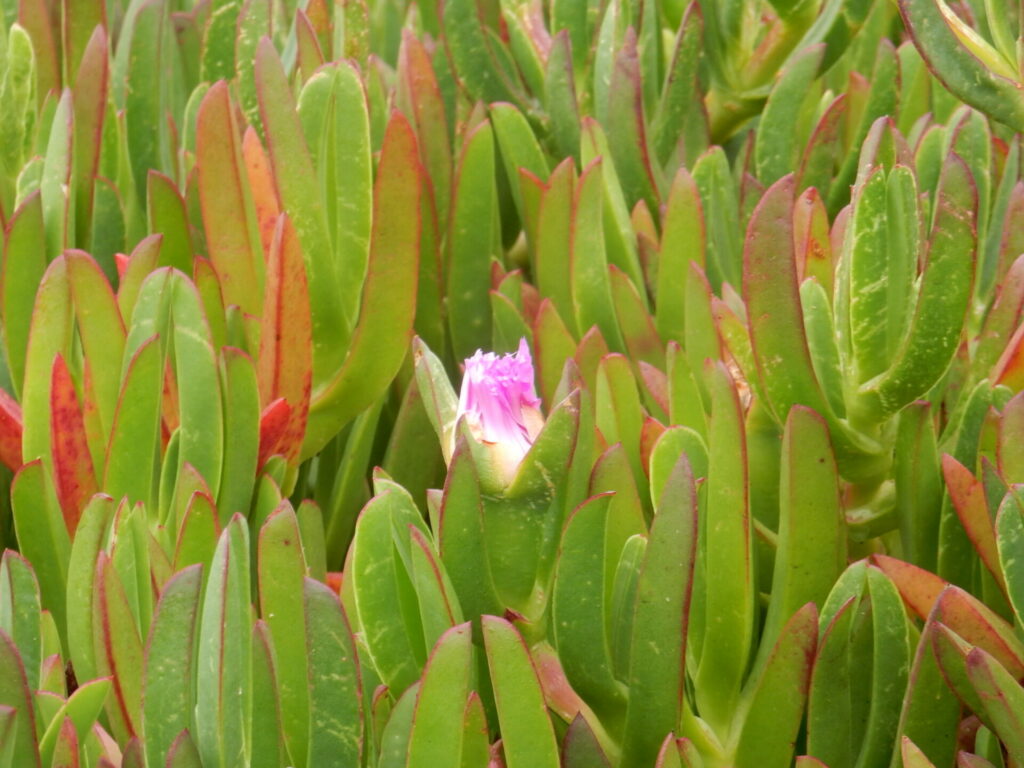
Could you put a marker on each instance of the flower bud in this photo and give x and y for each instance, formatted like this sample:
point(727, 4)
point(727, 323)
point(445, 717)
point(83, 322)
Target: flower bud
point(500, 406)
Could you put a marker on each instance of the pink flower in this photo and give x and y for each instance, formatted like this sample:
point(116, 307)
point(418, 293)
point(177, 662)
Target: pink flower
point(500, 405)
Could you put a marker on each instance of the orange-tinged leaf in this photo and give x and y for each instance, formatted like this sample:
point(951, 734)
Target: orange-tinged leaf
point(169, 403)
point(419, 96)
point(261, 182)
point(656, 383)
point(1009, 371)
point(285, 367)
point(89, 100)
point(918, 588)
point(73, 472)
point(34, 16)
point(229, 217)
point(968, 496)
point(10, 431)
point(310, 56)
point(811, 239)
point(649, 434)
point(976, 623)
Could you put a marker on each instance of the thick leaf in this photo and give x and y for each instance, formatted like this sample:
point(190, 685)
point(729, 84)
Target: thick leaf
point(527, 736)
point(942, 300)
point(17, 735)
point(118, 649)
point(42, 535)
point(223, 659)
point(168, 679)
point(437, 726)
point(774, 701)
point(967, 65)
point(469, 241)
point(726, 555)
point(657, 668)
point(229, 217)
point(335, 714)
point(281, 570)
point(388, 304)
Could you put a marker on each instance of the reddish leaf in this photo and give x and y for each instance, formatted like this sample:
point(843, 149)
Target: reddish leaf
point(419, 96)
point(169, 409)
point(652, 430)
point(261, 181)
point(968, 496)
point(10, 431)
point(72, 463)
point(274, 422)
point(65, 752)
point(1009, 371)
point(656, 383)
point(285, 368)
point(918, 588)
point(979, 625)
point(89, 99)
point(310, 56)
point(35, 17)
point(229, 219)
point(811, 239)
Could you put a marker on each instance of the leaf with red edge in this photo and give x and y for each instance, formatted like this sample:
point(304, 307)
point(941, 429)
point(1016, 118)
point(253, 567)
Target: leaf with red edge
point(638, 329)
point(17, 721)
point(419, 96)
point(119, 652)
point(89, 101)
point(1001, 319)
point(24, 263)
point(968, 496)
point(34, 17)
point(976, 623)
point(627, 129)
point(286, 337)
point(74, 477)
point(811, 239)
point(656, 383)
point(775, 702)
point(304, 204)
point(310, 56)
point(918, 588)
point(650, 433)
point(10, 431)
point(1009, 370)
point(553, 345)
point(388, 307)
point(65, 750)
point(261, 183)
point(101, 329)
point(773, 305)
point(1003, 699)
point(229, 217)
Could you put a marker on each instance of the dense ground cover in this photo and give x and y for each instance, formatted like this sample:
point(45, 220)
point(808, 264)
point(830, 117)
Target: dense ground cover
point(525, 383)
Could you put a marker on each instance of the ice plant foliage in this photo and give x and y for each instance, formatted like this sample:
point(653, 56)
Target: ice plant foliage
point(500, 405)
point(768, 258)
